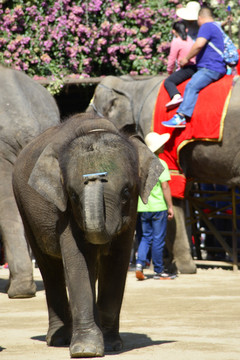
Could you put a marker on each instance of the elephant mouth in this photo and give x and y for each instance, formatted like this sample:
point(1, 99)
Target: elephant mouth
point(98, 238)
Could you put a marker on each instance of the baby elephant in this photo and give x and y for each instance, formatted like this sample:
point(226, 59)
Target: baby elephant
point(77, 186)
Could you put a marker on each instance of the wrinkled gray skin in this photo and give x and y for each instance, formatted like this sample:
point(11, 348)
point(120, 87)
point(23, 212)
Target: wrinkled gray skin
point(81, 228)
point(26, 109)
point(124, 101)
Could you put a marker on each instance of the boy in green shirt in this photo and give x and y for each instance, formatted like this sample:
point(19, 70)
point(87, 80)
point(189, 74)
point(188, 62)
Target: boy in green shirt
point(155, 214)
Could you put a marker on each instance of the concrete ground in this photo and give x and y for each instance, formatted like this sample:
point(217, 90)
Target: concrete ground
point(194, 317)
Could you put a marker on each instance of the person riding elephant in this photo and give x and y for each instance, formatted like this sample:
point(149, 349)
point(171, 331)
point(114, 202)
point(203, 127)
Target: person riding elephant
point(189, 14)
point(26, 109)
point(77, 187)
point(210, 66)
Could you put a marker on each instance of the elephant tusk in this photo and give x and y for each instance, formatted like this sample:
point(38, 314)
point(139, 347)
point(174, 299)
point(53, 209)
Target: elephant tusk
point(96, 130)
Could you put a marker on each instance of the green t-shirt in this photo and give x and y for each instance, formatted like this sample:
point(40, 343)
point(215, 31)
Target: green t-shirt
point(156, 201)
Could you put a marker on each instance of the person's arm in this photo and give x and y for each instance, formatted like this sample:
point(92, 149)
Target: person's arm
point(172, 57)
point(196, 48)
point(168, 197)
point(227, 21)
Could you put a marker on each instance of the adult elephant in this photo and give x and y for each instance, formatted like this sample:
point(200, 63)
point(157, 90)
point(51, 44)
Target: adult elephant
point(126, 101)
point(77, 187)
point(26, 109)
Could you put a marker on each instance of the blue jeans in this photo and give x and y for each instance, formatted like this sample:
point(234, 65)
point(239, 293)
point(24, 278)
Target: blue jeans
point(154, 228)
point(199, 80)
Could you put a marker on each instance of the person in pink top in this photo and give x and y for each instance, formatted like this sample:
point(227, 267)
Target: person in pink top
point(180, 47)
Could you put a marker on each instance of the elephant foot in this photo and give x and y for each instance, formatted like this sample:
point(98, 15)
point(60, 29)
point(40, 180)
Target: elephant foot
point(187, 267)
point(60, 336)
point(112, 342)
point(87, 344)
point(20, 289)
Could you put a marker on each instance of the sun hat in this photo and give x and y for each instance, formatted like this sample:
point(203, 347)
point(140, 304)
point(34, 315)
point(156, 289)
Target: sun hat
point(190, 12)
point(155, 141)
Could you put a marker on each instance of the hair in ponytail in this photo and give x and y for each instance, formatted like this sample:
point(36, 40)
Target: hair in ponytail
point(180, 28)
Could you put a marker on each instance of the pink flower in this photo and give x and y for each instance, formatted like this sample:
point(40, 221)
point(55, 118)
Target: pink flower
point(8, 61)
point(144, 71)
point(3, 41)
point(7, 54)
point(113, 49)
point(95, 6)
point(133, 73)
point(47, 45)
point(46, 58)
point(77, 10)
point(132, 57)
point(132, 47)
point(102, 41)
point(147, 50)
point(143, 29)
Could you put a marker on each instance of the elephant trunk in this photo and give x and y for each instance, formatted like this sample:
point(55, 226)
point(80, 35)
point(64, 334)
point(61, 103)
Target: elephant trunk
point(94, 212)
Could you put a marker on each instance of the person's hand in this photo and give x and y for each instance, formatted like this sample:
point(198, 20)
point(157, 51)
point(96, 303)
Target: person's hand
point(170, 213)
point(183, 61)
point(228, 20)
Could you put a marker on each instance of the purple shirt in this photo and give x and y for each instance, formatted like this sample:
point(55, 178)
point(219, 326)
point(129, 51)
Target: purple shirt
point(208, 57)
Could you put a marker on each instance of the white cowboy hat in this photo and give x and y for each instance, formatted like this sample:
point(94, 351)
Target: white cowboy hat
point(190, 12)
point(155, 141)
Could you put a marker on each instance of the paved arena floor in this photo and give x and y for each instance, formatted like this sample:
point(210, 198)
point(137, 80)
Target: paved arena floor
point(194, 317)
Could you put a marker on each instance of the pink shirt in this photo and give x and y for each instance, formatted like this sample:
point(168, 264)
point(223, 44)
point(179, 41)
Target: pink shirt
point(179, 49)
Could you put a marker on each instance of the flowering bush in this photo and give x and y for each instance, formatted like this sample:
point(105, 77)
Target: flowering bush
point(59, 38)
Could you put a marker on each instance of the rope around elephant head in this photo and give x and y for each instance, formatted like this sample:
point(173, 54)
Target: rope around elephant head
point(138, 117)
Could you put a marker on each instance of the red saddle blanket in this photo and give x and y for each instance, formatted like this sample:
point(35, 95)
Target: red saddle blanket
point(206, 124)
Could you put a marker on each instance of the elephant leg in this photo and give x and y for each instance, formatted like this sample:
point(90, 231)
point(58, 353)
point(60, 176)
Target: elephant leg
point(52, 271)
point(60, 322)
point(178, 241)
point(111, 282)
point(87, 338)
point(21, 284)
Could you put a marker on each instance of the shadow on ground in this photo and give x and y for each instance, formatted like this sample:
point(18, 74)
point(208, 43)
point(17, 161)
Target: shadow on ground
point(130, 341)
point(137, 341)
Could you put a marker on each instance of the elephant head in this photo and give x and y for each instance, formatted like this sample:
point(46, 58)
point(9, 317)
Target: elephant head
point(113, 101)
point(126, 101)
point(96, 173)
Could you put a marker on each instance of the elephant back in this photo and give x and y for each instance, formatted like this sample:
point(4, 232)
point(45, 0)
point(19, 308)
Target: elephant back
point(26, 110)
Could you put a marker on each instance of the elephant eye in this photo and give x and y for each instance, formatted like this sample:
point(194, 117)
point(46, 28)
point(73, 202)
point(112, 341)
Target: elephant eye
point(125, 195)
point(111, 104)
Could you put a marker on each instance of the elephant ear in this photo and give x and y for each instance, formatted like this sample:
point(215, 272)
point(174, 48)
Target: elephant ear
point(45, 178)
point(150, 168)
